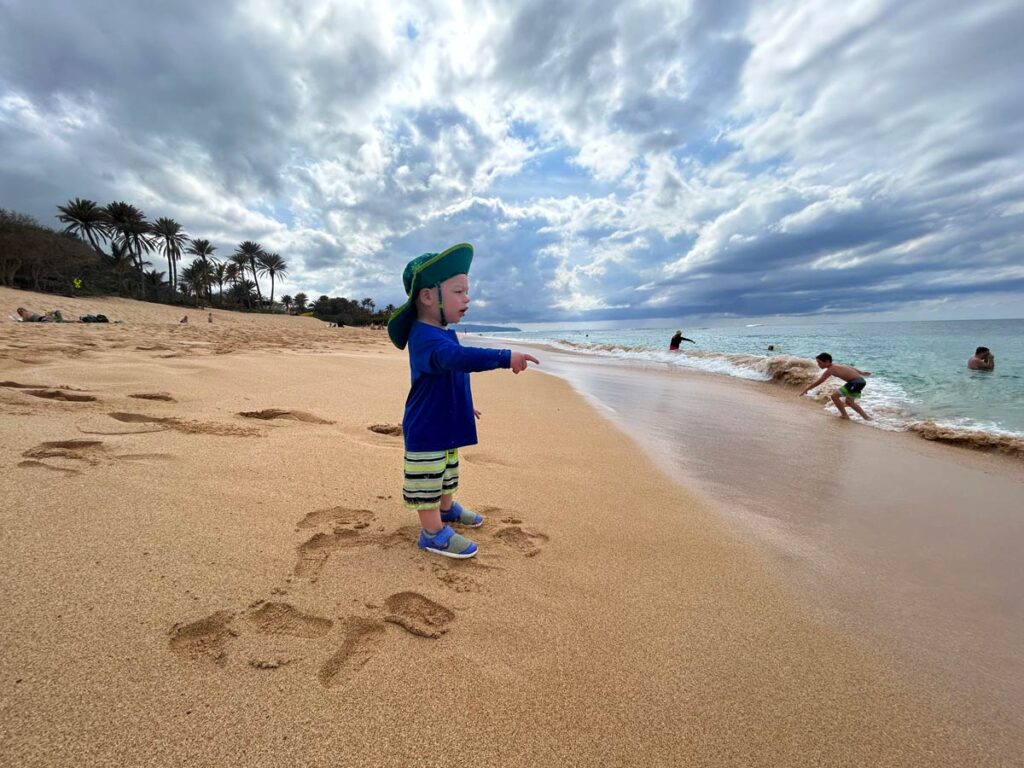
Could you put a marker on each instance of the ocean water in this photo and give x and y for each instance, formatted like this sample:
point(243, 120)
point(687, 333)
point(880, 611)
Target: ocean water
point(919, 369)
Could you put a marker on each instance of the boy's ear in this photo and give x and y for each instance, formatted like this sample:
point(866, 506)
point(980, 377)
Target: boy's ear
point(426, 296)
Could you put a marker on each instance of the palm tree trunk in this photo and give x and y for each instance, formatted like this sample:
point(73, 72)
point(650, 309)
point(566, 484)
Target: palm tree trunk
point(256, 280)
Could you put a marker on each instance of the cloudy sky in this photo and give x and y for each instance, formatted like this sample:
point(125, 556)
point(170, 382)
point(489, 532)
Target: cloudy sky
point(637, 162)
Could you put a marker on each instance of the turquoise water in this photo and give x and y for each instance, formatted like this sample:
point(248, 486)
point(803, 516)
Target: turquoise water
point(920, 368)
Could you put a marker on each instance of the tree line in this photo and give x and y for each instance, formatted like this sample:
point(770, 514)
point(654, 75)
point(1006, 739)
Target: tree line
point(74, 261)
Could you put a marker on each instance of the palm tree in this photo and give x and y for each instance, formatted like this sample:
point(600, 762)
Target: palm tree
point(219, 274)
point(242, 291)
point(287, 301)
point(300, 301)
point(194, 277)
point(171, 238)
point(130, 226)
point(272, 264)
point(154, 282)
point(233, 270)
point(203, 250)
point(252, 251)
point(121, 262)
point(84, 217)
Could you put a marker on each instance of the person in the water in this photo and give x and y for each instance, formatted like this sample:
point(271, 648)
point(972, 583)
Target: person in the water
point(851, 390)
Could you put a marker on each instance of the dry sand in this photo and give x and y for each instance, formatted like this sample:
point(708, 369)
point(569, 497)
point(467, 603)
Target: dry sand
point(185, 585)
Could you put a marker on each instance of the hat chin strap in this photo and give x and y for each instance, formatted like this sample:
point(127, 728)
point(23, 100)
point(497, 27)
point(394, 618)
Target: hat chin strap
point(440, 305)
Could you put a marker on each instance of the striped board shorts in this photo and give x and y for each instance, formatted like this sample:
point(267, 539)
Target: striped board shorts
point(429, 475)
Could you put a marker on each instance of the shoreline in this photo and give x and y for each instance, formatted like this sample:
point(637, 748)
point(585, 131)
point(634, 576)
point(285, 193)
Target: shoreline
point(783, 370)
point(879, 533)
point(204, 542)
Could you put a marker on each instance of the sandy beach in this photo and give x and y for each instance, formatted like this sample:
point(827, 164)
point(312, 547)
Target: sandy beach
point(206, 562)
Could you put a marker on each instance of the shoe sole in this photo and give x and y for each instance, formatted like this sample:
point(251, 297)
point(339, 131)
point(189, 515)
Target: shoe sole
point(446, 553)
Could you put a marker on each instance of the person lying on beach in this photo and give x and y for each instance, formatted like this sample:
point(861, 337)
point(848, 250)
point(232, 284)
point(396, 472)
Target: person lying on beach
point(673, 345)
point(851, 390)
point(983, 360)
point(439, 413)
point(34, 317)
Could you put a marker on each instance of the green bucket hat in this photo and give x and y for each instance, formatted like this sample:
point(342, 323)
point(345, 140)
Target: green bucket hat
point(426, 271)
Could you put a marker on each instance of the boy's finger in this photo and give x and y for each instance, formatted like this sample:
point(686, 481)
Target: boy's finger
point(532, 359)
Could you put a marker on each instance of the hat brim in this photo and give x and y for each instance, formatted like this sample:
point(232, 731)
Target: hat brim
point(450, 262)
point(400, 324)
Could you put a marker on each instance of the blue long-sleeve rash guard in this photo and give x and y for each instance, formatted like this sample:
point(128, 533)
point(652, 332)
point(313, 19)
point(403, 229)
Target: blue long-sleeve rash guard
point(439, 409)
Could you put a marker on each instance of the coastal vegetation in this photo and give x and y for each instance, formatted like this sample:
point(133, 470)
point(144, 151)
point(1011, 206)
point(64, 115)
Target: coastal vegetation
point(109, 250)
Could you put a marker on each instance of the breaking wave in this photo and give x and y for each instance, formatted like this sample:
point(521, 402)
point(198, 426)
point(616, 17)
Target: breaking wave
point(892, 408)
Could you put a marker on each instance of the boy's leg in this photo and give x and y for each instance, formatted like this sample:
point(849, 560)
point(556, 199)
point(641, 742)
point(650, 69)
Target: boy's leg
point(446, 502)
point(856, 406)
point(427, 476)
point(839, 404)
point(430, 520)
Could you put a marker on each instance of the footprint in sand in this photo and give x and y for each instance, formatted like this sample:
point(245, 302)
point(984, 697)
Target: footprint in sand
point(394, 430)
point(188, 427)
point(74, 450)
point(454, 578)
point(514, 536)
point(16, 385)
point(347, 530)
point(279, 413)
point(60, 394)
point(335, 516)
point(314, 552)
point(285, 619)
point(204, 640)
point(362, 638)
point(417, 614)
point(162, 396)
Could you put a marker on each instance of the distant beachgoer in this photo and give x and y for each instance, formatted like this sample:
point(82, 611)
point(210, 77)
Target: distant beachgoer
point(184, 319)
point(851, 390)
point(673, 344)
point(30, 317)
point(983, 360)
point(53, 316)
point(439, 414)
point(209, 317)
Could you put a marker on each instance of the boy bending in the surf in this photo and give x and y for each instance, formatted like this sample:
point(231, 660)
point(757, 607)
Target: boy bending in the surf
point(851, 390)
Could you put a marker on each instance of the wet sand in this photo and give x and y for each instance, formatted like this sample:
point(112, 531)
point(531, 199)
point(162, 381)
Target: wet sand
point(912, 546)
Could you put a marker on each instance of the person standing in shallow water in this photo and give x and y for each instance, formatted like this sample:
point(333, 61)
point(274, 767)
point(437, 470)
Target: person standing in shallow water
point(673, 345)
point(983, 360)
point(851, 390)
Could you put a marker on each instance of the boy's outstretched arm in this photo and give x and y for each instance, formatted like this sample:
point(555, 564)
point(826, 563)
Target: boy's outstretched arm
point(821, 380)
point(451, 356)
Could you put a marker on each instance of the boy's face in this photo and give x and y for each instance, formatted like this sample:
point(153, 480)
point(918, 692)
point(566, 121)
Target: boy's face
point(822, 364)
point(455, 293)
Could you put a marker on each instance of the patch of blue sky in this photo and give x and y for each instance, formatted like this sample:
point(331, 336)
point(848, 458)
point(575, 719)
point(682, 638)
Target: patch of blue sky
point(550, 174)
point(706, 150)
point(278, 209)
point(410, 30)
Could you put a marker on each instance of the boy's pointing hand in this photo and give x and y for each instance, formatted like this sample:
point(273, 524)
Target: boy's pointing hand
point(519, 361)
